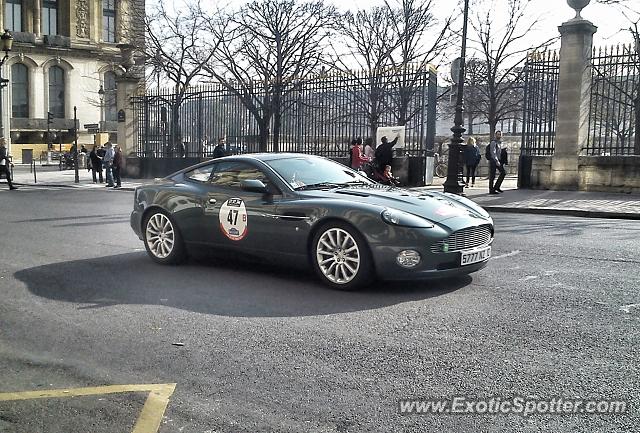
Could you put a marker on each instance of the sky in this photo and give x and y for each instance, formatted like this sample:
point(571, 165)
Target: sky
point(608, 19)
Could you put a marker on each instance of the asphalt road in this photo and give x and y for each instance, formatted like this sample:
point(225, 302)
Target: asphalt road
point(256, 349)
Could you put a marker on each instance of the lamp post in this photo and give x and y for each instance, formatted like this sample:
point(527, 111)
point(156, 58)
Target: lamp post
point(101, 95)
point(6, 43)
point(454, 183)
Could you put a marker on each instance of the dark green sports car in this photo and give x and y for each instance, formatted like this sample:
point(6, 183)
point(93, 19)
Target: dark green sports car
point(301, 210)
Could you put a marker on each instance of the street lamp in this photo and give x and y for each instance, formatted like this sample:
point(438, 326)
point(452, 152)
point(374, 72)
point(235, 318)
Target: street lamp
point(454, 183)
point(101, 95)
point(6, 43)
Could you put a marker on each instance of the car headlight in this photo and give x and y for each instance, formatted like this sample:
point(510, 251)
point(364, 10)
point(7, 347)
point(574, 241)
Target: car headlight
point(404, 219)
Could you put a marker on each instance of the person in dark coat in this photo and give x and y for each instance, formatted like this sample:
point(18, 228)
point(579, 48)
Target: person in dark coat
point(5, 163)
point(472, 158)
point(96, 164)
point(384, 153)
point(219, 151)
point(118, 163)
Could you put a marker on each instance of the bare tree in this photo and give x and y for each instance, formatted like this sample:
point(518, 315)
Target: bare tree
point(502, 58)
point(267, 49)
point(413, 23)
point(363, 55)
point(178, 48)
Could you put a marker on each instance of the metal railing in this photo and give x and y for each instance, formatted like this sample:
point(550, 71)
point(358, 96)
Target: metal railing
point(540, 103)
point(614, 102)
point(320, 117)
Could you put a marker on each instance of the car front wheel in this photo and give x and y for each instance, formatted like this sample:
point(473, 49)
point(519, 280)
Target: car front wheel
point(162, 239)
point(341, 257)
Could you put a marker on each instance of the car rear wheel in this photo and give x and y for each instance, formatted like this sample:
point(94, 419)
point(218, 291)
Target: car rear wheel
point(162, 239)
point(341, 257)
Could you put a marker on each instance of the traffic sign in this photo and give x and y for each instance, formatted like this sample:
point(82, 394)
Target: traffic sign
point(91, 126)
point(92, 131)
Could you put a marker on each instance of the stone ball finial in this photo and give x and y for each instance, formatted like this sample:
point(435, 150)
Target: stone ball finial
point(578, 5)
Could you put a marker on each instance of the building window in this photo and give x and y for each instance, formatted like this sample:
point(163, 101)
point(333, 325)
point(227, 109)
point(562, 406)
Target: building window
point(110, 109)
point(109, 20)
point(50, 17)
point(56, 92)
point(19, 90)
point(13, 15)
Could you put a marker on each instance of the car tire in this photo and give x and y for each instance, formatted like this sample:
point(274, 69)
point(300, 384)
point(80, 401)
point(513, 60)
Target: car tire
point(341, 257)
point(162, 238)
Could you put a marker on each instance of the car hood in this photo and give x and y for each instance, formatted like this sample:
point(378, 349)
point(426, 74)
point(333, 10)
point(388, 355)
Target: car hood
point(432, 205)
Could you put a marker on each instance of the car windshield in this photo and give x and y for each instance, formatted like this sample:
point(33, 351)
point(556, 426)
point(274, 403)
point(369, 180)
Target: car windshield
point(316, 173)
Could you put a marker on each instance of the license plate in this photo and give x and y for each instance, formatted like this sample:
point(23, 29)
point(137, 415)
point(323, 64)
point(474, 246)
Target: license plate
point(474, 256)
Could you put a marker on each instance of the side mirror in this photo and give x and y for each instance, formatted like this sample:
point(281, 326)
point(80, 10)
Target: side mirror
point(254, 185)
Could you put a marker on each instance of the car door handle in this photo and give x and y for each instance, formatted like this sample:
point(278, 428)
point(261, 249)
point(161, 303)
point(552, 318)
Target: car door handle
point(212, 201)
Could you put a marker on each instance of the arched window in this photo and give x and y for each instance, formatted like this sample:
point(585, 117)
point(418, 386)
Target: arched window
point(19, 90)
point(110, 109)
point(56, 92)
point(13, 15)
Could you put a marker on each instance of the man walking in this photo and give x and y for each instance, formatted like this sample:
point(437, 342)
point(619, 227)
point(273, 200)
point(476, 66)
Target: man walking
point(96, 164)
point(107, 161)
point(495, 150)
point(219, 151)
point(5, 164)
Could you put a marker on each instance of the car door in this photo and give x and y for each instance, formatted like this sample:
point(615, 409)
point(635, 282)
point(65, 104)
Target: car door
point(235, 218)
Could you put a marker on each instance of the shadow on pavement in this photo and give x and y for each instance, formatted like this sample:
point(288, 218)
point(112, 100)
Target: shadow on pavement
point(221, 288)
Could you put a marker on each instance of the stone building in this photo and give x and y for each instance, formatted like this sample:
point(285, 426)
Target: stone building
point(64, 52)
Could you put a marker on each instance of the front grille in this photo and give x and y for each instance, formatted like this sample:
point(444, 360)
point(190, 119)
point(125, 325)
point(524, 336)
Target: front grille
point(464, 239)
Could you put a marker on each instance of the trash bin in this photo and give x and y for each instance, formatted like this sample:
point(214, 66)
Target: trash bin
point(82, 160)
point(429, 168)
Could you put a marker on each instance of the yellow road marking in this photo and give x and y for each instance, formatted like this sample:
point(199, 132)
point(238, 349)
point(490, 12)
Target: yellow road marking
point(149, 419)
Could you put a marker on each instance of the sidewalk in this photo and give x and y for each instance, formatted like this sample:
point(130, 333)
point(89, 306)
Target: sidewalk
point(571, 203)
point(49, 176)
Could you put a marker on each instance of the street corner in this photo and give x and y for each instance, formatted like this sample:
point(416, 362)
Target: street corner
point(137, 408)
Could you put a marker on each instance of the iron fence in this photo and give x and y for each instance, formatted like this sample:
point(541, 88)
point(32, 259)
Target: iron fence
point(320, 117)
point(614, 114)
point(540, 103)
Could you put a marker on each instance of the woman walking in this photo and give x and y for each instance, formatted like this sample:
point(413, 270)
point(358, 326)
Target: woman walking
point(471, 159)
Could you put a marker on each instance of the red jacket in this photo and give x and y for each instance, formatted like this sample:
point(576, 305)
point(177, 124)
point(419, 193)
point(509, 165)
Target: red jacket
point(357, 157)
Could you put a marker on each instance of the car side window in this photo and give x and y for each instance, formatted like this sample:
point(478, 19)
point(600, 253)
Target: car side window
point(231, 174)
point(200, 174)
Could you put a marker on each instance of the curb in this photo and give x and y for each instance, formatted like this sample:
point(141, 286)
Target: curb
point(56, 185)
point(564, 212)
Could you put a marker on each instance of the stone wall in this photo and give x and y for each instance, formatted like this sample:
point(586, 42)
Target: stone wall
point(595, 173)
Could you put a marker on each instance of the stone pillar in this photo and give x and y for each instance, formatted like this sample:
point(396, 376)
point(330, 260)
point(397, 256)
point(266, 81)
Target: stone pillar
point(126, 88)
point(572, 127)
point(37, 18)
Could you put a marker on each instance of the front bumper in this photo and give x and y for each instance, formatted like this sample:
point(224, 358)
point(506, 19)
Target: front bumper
point(432, 265)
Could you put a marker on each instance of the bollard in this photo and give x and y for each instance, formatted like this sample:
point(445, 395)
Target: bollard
point(35, 179)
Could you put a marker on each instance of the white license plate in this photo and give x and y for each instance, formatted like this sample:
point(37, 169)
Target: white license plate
point(474, 256)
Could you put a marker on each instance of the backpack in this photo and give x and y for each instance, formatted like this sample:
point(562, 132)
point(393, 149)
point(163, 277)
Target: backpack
point(487, 152)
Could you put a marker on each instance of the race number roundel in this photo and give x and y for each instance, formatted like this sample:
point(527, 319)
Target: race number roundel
point(233, 219)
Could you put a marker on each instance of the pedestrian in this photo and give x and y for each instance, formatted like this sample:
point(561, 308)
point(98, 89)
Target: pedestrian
point(388, 178)
point(384, 152)
point(107, 162)
point(495, 152)
point(219, 151)
point(96, 164)
point(357, 157)
point(369, 150)
point(472, 158)
point(118, 163)
point(5, 163)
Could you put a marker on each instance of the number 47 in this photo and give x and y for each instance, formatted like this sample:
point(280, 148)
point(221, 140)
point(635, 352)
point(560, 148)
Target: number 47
point(233, 217)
